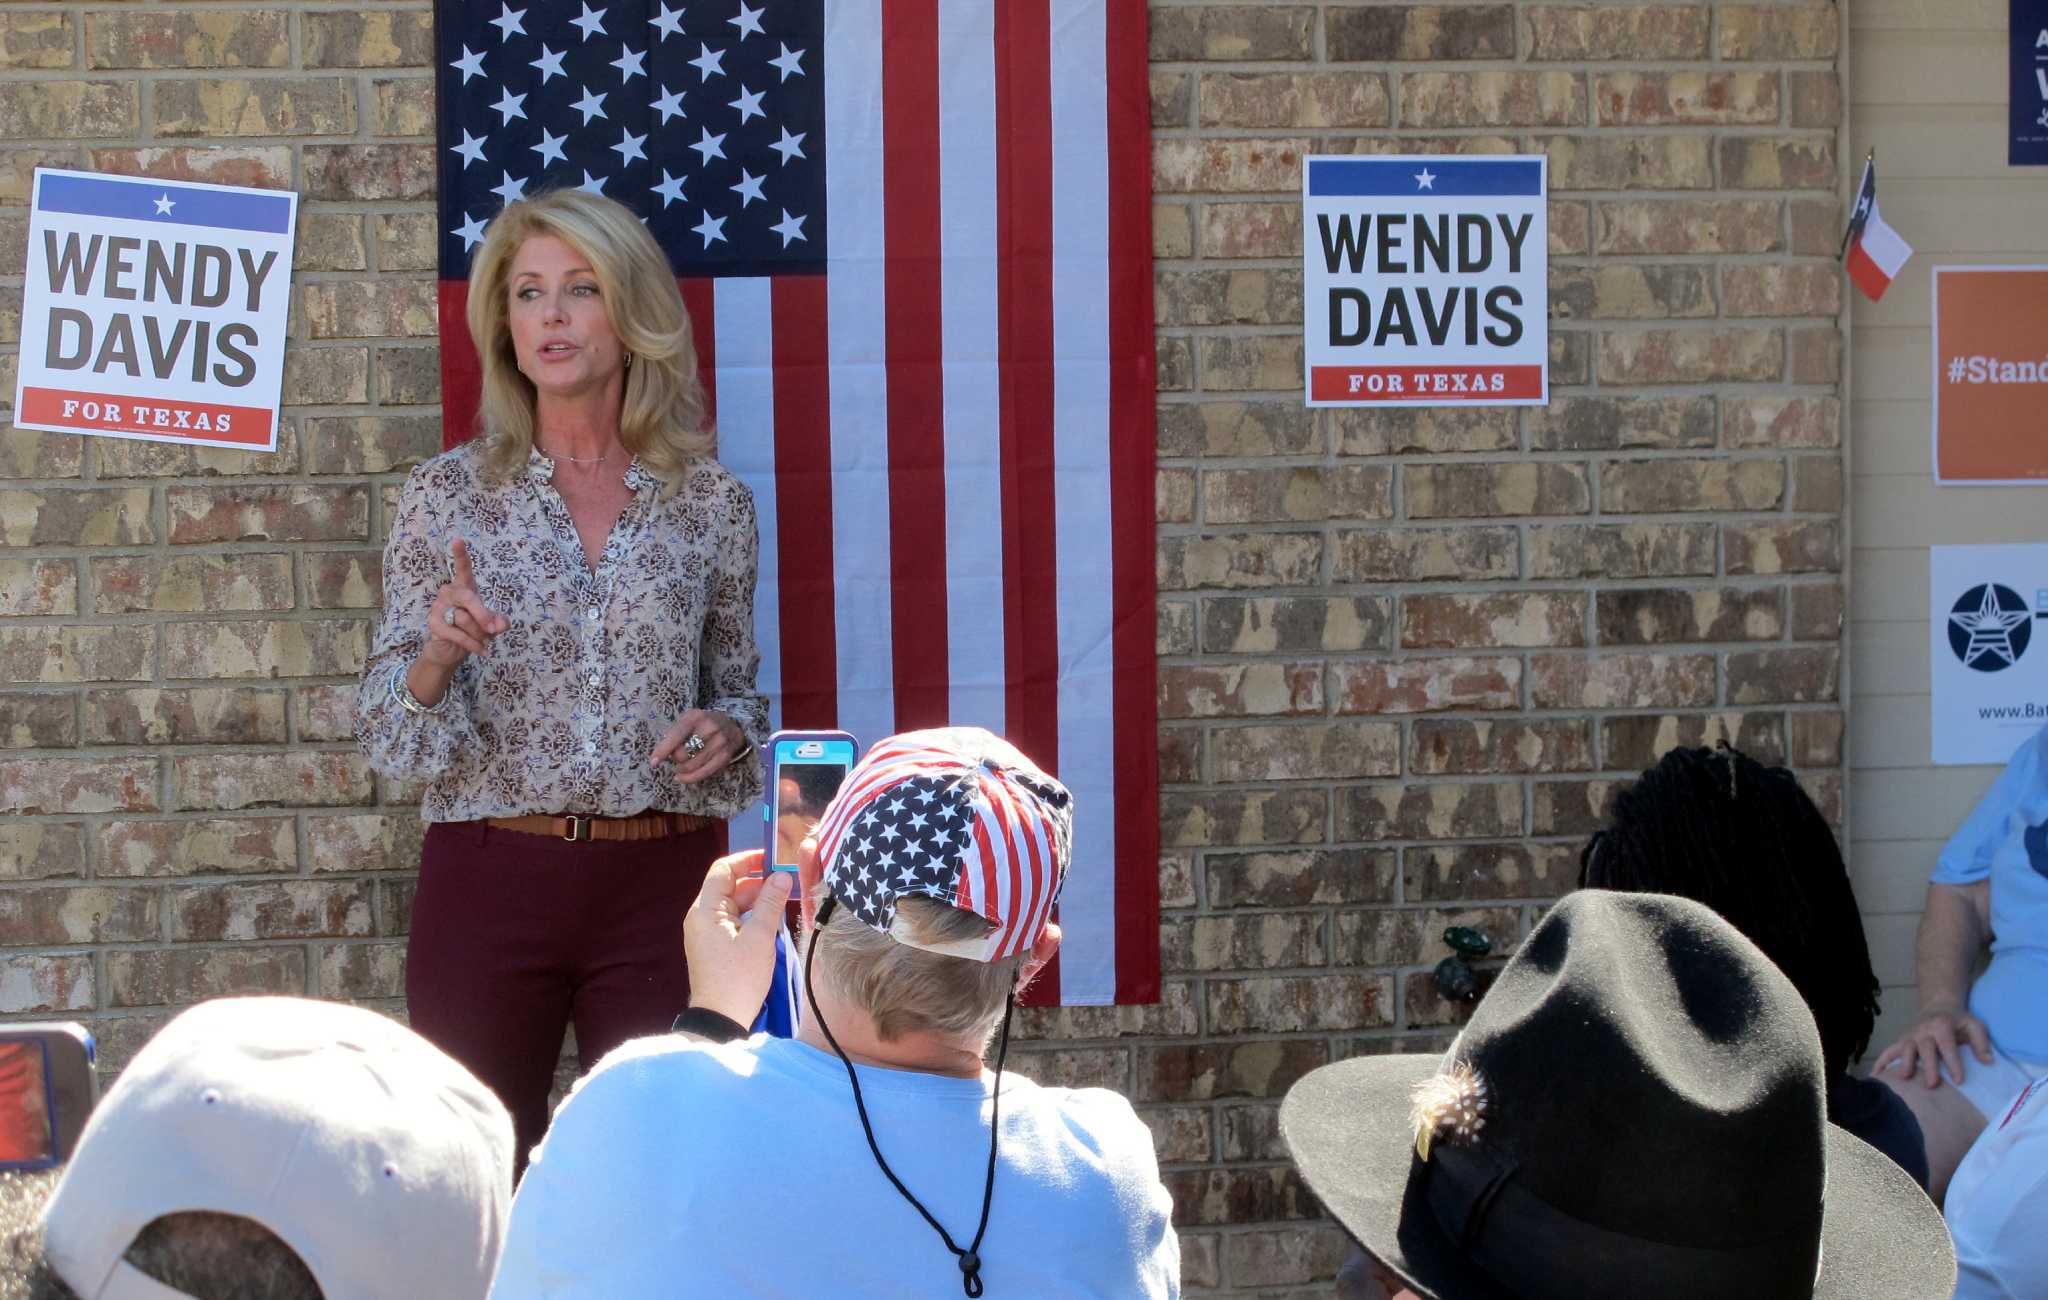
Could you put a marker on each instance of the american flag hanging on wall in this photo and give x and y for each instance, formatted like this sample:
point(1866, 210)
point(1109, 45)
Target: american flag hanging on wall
point(914, 237)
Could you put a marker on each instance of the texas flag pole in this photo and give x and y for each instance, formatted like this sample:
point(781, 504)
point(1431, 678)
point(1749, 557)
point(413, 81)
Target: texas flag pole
point(1874, 250)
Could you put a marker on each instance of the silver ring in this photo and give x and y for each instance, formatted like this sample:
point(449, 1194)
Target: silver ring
point(448, 616)
point(694, 745)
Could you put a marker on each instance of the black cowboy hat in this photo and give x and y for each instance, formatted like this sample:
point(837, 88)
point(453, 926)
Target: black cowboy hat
point(1637, 1109)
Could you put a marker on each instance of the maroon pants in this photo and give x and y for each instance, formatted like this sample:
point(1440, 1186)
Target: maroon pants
point(515, 936)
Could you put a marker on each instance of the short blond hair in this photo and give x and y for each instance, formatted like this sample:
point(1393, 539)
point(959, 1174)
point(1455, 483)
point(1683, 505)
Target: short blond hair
point(663, 419)
point(908, 990)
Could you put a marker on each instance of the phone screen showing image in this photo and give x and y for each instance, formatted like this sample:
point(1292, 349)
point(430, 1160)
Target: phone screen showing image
point(24, 1103)
point(807, 772)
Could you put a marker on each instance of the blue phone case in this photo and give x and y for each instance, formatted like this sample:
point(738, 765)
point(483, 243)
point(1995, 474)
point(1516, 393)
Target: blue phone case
point(789, 752)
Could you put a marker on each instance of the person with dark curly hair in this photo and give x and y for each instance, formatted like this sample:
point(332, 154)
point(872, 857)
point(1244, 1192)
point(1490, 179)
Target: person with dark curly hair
point(1720, 828)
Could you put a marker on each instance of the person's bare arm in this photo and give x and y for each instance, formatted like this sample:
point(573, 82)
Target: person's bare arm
point(1953, 930)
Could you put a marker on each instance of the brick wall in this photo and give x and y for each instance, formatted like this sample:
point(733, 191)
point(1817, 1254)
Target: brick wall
point(1403, 656)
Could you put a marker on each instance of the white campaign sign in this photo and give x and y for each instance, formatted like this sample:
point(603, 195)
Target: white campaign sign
point(1988, 647)
point(155, 310)
point(1425, 281)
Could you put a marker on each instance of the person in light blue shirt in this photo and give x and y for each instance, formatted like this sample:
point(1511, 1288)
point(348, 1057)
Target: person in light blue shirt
point(1990, 886)
point(873, 1156)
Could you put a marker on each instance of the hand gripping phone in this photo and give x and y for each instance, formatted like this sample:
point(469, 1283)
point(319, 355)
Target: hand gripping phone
point(47, 1089)
point(805, 769)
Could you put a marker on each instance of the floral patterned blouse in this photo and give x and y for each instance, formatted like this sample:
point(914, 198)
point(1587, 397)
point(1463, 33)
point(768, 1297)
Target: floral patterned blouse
point(560, 714)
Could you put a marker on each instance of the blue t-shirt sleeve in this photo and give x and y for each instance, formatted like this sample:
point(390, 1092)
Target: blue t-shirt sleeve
point(1966, 858)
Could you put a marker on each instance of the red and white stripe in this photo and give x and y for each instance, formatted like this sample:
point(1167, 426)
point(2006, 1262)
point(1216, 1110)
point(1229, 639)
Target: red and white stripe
point(1877, 256)
point(950, 532)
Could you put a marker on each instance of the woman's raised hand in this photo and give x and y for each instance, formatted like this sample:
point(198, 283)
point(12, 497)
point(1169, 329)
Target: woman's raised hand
point(459, 624)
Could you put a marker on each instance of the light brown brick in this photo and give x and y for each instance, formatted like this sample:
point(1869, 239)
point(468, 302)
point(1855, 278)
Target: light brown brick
point(262, 166)
point(1812, 546)
point(1818, 485)
point(1244, 296)
point(1807, 675)
point(134, 584)
point(1452, 621)
point(1461, 99)
point(1425, 685)
point(374, 38)
point(1614, 423)
point(31, 587)
point(1240, 230)
point(272, 106)
point(75, 517)
point(41, 850)
point(68, 110)
point(187, 38)
point(327, 376)
point(1579, 33)
point(295, 778)
point(1186, 166)
point(386, 841)
point(132, 458)
point(1571, 357)
point(38, 720)
point(36, 40)
point(1301, 751)
point(1622, 551)
point(1575, 808)
point(266, 648)
point(29, 453)
point(1429, 431)
point(1238, 428)
point(1614, 680)
point(1662, 615)
point(330, 241)
point(1468, 747)
point(1173, 494)
point(1249, 496)
point(1815, 97)
point(1250, 363)
point(1174, 627)
point(1284, 1003)
point(1172, 96)
point(1818, 612)
point(402, 106)
point(276, 513)
point(359, 309)
point(1636, 743)
point(408, 376)
point(1264, 941)
point(201, 716)
point(1686, 98)
point(51, 654)
point(1208, 1071)
point(1780, 31)
point(1239, 560)
point(1778, 163)
point(31, 982)
point(1794, 423)
point(370, 444)
point(405, 241)
point(1426, 32)
point(286, 909)
point(1306, 878)
point(64, 915)
point(1628, 162)
point(1243, 818)
point(1283, 1256)
point(1692, 356)
point(1815, 355)
point(1232, 33)
point(1666, 226)
point(78, 785)
point(1663, 486)
point(344, 579)
point(1226, 690)
point(1172, 230)
point(1781, 289)
point(1429, 811)
point(1817, 739)
point(1488, 871)
point(1816, 227)
point(1424, 554)
point(1294, 624)
point(353, 173)
point(179, 977)
point(1631, 291)
point(1294, 100)
point(205, 846)
point(362, 970)
point(1480, 491)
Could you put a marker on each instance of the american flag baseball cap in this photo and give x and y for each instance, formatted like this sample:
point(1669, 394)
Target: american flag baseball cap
point(956, 814)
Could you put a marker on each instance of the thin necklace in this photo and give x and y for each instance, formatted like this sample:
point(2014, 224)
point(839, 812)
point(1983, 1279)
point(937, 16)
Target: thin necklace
point(578, 460)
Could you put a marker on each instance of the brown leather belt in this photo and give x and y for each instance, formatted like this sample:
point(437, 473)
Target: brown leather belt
point(647, 826)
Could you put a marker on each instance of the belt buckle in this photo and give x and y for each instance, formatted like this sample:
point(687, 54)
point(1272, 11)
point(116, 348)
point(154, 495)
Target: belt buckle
point(575, 824)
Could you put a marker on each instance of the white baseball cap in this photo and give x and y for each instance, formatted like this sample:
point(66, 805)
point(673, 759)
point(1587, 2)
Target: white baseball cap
point(382, 1162)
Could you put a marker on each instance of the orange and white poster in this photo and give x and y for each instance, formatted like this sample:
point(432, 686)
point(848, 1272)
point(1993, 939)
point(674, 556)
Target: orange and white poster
point(1991, 374)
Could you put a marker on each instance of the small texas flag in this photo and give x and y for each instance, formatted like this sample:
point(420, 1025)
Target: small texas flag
point(1874, 250)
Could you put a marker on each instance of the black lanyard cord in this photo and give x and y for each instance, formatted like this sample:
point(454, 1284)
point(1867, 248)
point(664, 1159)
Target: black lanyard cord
point(970, 1258)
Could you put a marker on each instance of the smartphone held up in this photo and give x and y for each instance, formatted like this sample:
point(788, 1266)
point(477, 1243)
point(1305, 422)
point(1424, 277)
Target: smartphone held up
point(805, 769)
point(47, 1089)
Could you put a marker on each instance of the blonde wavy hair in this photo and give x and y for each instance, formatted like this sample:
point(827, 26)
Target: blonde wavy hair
point(662, 419)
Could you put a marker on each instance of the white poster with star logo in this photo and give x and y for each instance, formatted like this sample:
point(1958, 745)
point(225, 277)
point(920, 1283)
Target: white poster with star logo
point(1988, 647)
point(1425, 281)
point(155, 309)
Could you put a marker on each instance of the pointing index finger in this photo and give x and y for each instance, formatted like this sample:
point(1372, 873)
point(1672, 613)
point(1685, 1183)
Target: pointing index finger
point(464, 575)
